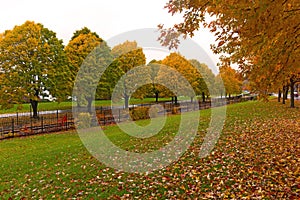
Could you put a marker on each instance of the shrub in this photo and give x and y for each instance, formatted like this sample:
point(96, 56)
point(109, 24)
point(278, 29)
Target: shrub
point(175, 110)
point(84, 120)
point(139, 113)
point(153, 112)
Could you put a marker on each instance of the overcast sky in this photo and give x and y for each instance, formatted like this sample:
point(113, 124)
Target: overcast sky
point(107, 18)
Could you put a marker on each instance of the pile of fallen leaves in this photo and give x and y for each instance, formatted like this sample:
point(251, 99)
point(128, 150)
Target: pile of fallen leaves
point(257, 156)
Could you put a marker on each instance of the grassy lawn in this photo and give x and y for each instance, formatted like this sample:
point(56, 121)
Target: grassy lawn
point(68, 105)
point(256, 157)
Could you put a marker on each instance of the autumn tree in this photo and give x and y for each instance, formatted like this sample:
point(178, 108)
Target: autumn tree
point(152, 89)
point(92, 68)
point(32, 61)
point(84, 31)
point(82, 43)
point(108, 81)
point(127, 56)
point(156, 77)
point(154, 69)
point(218, 86)
point(206, 82)
point(79, 47)
point(186, 69)
point(231, 81)
point(259, 36)
point(173, 84)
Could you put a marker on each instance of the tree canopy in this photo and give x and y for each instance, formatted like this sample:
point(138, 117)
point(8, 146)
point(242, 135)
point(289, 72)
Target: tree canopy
point(32, 61)
point(84, 31)
point(186, 69)
point(127, 56)
point(230, 78)
point(206, 83)
point(260, 36)
point(89, 75)
point(79, 47)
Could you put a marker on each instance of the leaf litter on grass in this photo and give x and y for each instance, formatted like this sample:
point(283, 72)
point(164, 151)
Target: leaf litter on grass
point(256, 157)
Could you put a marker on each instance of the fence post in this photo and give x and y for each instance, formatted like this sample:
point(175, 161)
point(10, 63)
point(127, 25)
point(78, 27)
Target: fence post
point(12, 126)
point(30, 111)
point(187, 106)
point(104, 118)
point(30, 124)
point(57, 125)
point(67, 121)
point(42, 124)
point(17, 118)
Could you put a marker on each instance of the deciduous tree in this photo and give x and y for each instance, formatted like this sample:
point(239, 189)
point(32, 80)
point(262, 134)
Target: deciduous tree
point(128, 56)
point(186, 69)
point(231, 80)
point(79, 47)
point(33, 61)
point(88, 80)
point(206, 82)
point(260, 36)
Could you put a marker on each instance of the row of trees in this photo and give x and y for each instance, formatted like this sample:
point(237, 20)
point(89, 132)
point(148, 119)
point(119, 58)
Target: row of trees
point(35, 63)
point(262, 37)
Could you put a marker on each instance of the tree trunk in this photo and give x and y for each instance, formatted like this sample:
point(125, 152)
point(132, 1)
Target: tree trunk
point(89, 105)
point(279, 95)
point(172, 100)
point(34, 105)
point(285, 91)
point(156, 96)
point(292, 85)
point(126, 98)
point(176, 100)
point(78, 102)
point(192, 99)
point(203, 97)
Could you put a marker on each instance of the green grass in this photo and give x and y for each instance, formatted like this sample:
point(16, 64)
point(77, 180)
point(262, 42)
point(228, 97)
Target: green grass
point(43, 106)
point(257, 156)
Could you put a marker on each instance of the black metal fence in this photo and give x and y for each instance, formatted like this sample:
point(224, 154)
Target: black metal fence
point(22, 124)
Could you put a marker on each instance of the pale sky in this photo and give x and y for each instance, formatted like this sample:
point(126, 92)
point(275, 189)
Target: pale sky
point(107, 18)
